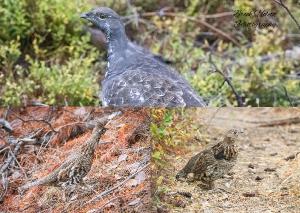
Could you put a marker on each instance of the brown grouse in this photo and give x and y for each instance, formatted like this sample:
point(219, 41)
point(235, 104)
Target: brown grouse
point(74, 168)
point(134, 77)
point(212, 163)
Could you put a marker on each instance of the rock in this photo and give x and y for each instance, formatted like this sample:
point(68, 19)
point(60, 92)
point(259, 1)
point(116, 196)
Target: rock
point(122, 157)
point(135, 202)
point(140, 177)
point(258, 178)
point(251, 166)
point(291, 157)
point(133, 167)
point(249, 194)
point(132, 183)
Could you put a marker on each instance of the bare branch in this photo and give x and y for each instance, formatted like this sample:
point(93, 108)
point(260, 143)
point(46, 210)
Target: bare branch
point(196, 20)
point(36, 120)
point(228, 81)
point(280, 2)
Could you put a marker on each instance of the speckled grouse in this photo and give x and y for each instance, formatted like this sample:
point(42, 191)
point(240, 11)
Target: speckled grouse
point(134, 77)
point(214, 162)
point(74, 168)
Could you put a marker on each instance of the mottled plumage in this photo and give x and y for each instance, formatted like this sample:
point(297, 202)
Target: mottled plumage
point(214, 162)
point(74, 168)
point(134, 77)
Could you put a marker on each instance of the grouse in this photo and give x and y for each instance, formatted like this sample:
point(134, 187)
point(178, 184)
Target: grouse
point(75, 167)
point(212, 163)
point(133, 76)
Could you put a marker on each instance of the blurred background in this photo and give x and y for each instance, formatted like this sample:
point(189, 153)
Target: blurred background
point(47, 53)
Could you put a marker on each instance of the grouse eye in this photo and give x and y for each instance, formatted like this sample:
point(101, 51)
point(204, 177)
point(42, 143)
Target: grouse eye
point(101, 15)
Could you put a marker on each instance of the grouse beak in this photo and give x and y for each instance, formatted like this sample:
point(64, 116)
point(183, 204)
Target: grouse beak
point(85, 16)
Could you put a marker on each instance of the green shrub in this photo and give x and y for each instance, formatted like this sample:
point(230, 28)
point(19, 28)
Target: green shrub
point(44, 53)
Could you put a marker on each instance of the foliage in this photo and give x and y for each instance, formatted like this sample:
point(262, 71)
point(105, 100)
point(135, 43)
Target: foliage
point(170, 129)
point(44, 54)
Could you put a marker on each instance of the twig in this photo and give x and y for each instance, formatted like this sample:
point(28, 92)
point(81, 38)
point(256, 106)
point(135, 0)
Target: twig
point(4, 185)
point(288, 97)
point(108, 202)
point(11, 158)
point(197, 20)
point(102, 194)
point(227, 80)
point(280, 2)
point(5, 115)
point(5, 166)
point(16, 160)
point(36, 120)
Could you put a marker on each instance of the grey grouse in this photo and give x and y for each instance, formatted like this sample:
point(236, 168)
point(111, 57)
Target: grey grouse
point(214, 162)
point(134, 77)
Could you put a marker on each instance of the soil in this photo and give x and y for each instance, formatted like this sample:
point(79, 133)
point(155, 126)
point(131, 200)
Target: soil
point(265, 177)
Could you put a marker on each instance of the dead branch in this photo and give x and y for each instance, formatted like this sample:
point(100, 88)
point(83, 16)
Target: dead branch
point(36, 120)
point(6, 165)
point(102, 194)
point(11, 157)
point(4, 185)
point(283, 122)
point(228, 81)
point(280, 2)
point(193, 19)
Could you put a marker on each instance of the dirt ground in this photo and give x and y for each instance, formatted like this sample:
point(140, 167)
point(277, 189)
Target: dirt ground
point(266, 177)
point(119, 180)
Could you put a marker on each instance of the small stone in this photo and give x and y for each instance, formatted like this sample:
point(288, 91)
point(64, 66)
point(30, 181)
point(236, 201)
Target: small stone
point(140, 177)
point(291, 157)
point(135, 202)
point(251, 166)
point(249, 194)
point(274, 154)
point(258, 178)
point(269, 169)
point(133, 167)
point(132, 183)
point(122, 157)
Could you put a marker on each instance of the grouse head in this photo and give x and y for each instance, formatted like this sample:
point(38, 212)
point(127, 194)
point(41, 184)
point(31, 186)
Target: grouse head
point(226, 149)
point(104, 18)
point(232, 135)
